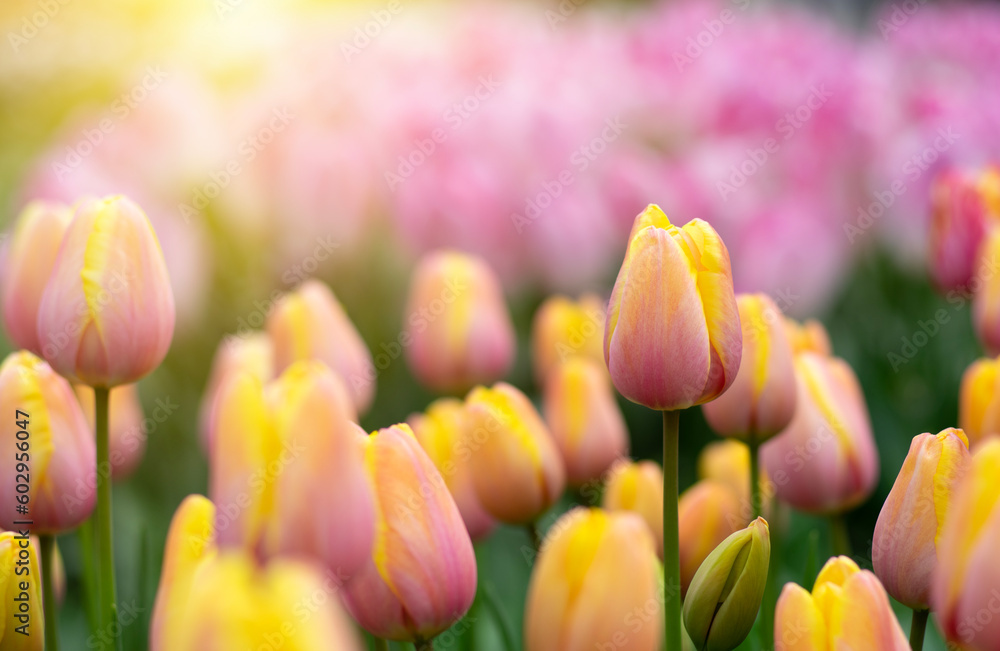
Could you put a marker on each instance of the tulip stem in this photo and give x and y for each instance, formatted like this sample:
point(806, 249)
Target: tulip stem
point(536, 539)
point(671, 533)
point(423, 645)
point(756, 504)
point(107, 608)
point(918, 625)
point(380, 644)
point(841, 539)
point(51, 608)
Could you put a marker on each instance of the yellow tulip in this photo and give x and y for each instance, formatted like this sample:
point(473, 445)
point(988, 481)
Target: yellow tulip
point(707, 513)
point(638, 487)
point(979, 400)
point(22, 622)
point(809, 336)
point(564, 328)
point(986, 293)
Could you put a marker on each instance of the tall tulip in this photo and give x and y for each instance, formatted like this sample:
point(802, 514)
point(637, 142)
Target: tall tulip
point(826, 460)
point(594, 585)
point(904, 547)
point(964, 594)
point(126, 426)
point(638, 487)
point(253, 354)
point(979, 400)
point(443, 433)
point(847, 609)
point(22, 621)
point(107, 314)
point(965, 206)
point(309, 323)
point(584, 419)
point(564, 328)
point(986, 294)
point(31, 255)
point(287, 474)
point(516, 468)
point(672, 339)
point(708, 512)
point(421, 576)
point(459, 333)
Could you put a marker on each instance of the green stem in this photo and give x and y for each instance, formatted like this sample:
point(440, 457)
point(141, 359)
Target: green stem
point(755, 498)
point(423, 645)
point(381, 645)
point(506, 629)
point(841, 539)
point(85, 535)
point(918, 625)
point(51, 608)
point(671, 533)
point(536, 539)
point(105, 547)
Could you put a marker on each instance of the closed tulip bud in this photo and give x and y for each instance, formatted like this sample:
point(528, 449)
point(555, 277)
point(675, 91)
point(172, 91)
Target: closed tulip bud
point(707, 513)
point(127, 429)
point(516, 468)
point(31, 255)
point(107, 314)
point(595, 573)
point(22, 623)
point(287, 471)
point(564, 328)
point(904, 547)
point(761, 401)
point(638, 487)
point(421, 577)
point(190, 546)
point(728, 462)
point(986, 294)
point(672, 337)
point(288, 605)
point(457, 323)
point(50, 437)
point(847, 609)
point(965, 591)
point(443, 433)
point(725, 594)
point(825, 461)
point(584, 419)
point(310, 323)
point(808, 337)
point(252, 354)
point(965, 206)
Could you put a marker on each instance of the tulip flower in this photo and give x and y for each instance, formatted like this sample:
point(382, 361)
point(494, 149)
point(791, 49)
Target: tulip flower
point(847, 609)
point(190, 546)
point(965, 590)
point(126, 426)
point(235, 604)
point(986, 294)
point(253, 354)
point(22, 621)
point(31, 255)
point(287, 472)
point(458, 332)
point(725, 594)
point(443, 433)
point(808, 336)
point(708, 512)
point(57, 448)
point(638, 487)
point(979, 400)
point(562, 329)
point(421, 576)
point(595, 585)
point(965, 206)
point(310, 323)
point(107, 314)
point(904, 547)
point(728, 462)
point(825, 461)
point(672, 337)
point(761, 401)
point(516, 468)
point(584, 419)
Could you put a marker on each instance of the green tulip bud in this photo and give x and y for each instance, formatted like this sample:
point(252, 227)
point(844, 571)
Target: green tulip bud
point(726, 591)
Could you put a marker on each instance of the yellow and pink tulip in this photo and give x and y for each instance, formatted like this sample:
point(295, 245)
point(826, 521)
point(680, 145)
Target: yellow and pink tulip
point(563, 329)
